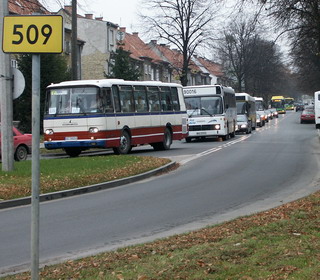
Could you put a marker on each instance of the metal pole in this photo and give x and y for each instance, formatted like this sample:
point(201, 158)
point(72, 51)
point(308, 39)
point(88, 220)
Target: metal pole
point(74, 40)
point(35, 166)
point(5, 100)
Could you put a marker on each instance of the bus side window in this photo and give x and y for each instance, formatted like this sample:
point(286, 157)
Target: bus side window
point(126, 98)
point(116, 99)
point(107, 100)
point(153, 99)
point(166, 100)
point(175, 99)
point(140, 99)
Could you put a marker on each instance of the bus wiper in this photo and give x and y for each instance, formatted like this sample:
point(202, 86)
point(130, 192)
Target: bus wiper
point(193, 112)
point(203, 109)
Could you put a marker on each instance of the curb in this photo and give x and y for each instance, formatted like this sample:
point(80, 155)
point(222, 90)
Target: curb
point(87, 189)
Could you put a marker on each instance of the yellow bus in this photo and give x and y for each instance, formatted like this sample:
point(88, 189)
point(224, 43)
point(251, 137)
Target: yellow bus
point(278, 102)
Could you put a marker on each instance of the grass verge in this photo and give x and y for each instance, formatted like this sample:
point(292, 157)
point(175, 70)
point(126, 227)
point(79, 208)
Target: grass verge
point(282, 243)
point(69, 173)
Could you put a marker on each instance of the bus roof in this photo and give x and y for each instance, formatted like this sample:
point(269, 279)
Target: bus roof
point(246, 96)
point(277, 97)
point(205, 90)
point(111, 82)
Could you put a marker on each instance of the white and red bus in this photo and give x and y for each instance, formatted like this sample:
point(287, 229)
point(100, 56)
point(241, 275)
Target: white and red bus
point(112, 113)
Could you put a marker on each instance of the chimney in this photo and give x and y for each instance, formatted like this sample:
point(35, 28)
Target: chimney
point(89, 16)
point(154, 42)
point(99, 18)
point(136, 34)
point(122, 29)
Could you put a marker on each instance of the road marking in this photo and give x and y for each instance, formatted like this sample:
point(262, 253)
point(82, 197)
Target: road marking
point(215, 149)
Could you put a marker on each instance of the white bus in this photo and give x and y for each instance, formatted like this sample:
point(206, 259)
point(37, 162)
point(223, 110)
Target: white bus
point(112, 113)
point(246, 105)
point(211, 111)
point(317, 108)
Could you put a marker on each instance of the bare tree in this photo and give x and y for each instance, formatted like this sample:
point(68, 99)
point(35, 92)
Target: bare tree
point(252, 62)
point(184, 24)
point(300, 21)
point(234, 52)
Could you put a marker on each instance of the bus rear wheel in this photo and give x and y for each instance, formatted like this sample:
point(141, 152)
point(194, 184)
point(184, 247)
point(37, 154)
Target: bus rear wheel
point(125, 144)
point(166, 143)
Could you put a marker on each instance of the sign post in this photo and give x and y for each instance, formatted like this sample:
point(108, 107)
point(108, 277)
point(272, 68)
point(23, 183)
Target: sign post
point(34, 34)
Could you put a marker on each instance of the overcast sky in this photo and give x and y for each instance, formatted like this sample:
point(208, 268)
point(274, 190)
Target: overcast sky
point(121, 12)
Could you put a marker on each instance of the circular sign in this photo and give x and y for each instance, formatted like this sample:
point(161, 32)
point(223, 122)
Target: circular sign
point(18, 83)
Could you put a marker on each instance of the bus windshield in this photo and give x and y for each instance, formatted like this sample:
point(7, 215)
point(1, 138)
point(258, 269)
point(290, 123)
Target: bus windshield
point(207, 106)
point(278, 104)
point(73, 100)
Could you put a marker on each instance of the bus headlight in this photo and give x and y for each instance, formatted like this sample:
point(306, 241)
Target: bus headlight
point(217, 126)
point(49, 131)
point(93, 130)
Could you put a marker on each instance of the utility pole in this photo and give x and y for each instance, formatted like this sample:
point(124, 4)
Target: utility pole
point(5, 99)
point(74, 36)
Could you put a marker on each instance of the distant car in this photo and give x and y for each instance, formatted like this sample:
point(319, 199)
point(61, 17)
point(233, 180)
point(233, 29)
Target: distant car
point(269, 114)
point(21, 144)
point(243, 124)
point(307, 115)
point(263, 117)
point(258, 120)
point(274, 112)
point(299, 107)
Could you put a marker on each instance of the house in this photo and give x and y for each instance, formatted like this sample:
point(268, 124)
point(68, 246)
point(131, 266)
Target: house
point(198, 75)
point(100, 41)
point(152, 67)
point(215, 70)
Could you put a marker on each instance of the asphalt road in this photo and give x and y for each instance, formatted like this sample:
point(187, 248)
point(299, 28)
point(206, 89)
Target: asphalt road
point(217, 181)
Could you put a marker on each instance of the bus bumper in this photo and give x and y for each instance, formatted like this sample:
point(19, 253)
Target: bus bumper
point(85, 144)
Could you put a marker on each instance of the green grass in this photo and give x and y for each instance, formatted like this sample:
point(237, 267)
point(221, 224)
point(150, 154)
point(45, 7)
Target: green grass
point(282, 243)
point(68, 173)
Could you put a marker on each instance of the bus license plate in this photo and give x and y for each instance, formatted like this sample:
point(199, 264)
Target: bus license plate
point(201, 133)
point(71, 138)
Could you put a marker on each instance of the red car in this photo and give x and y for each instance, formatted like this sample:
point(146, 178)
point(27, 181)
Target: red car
point(307, 116)
point(21, 144)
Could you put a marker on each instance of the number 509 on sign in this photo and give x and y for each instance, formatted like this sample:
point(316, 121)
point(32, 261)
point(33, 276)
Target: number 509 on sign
point(33, 34)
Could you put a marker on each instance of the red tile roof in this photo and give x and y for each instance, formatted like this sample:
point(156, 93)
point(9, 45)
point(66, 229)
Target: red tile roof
point(175, 58)
point(138, 49)
point(212, 67)
point(26, 7)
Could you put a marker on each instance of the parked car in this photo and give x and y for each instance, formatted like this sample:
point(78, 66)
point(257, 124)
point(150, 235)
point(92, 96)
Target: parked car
point(21, 144)
point(243, 124)
point(307, 115)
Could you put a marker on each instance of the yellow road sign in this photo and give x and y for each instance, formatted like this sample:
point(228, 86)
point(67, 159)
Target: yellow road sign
point(32, 34)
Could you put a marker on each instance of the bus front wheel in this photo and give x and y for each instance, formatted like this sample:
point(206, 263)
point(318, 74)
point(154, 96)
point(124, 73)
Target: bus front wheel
point(72, 152)
point(125, 144)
